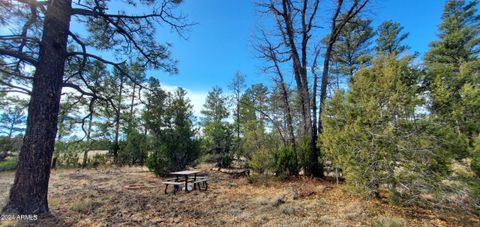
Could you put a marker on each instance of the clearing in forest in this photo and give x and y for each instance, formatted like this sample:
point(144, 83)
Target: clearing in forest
point(134, 196)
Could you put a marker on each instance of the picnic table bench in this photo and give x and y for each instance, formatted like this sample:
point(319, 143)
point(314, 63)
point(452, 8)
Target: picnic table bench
point(177, 182)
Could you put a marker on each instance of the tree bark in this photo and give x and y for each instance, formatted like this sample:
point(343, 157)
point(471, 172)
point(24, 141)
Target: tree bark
point(315, 150)
point(28, 194)
point(324, 85)
point(116, 147)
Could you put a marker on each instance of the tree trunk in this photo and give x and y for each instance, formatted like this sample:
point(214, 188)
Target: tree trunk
point(317, 170)
point(131, 106)
point(324, 84)
point(116, 147)
point(28, 194)
point(89, 133)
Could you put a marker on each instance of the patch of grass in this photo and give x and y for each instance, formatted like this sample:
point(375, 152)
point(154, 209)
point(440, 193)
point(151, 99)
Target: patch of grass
point(106, 198)
point(389, 222)
point(8, 164)
point(79, 206)
point(85, 206)
point(54, 202)
point(260, 179)
point(91, 194)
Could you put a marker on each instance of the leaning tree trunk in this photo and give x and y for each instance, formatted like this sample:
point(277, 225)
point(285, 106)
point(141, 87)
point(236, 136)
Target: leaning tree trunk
point(28, 194)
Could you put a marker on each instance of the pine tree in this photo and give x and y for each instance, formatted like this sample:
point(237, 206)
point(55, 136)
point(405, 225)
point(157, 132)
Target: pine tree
point(12, 121)
point(390, 37)
point(169, 119)
point(218, 132)
point(187, 151)
point(453, 76)
point(237, 86)
point(252, 115)
point(375, 134)
point(352, 47)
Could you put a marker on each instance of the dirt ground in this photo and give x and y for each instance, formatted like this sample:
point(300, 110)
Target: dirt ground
point(132, 196)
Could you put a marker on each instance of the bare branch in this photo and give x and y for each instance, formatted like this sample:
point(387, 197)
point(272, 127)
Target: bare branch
point(19, 55)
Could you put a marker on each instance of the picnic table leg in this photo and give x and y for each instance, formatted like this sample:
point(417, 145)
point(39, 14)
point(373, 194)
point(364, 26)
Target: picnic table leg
point(175, 189)
point(166, 186)
point(195, 179)
point(186, 183)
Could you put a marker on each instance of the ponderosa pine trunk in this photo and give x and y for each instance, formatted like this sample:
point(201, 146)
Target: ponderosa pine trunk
point(28, 194)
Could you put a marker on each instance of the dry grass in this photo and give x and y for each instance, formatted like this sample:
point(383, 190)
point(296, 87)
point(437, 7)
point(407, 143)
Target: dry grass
point(100, 197)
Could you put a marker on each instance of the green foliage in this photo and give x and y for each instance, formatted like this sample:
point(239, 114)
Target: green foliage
point(215, 107)
point(134, 149)
point(279, 161)
point(376, 135)
point(67, 153)
point(303, 153)
point(12, 120)
point(475, 163)
point(218, 141)
point(262, 161)
point(98, 160)
point(453, 75)
point(8, 164)
point(253, 106)
point(159, 161)
point(351, 49)
point(237, 86)
point(174, 145)
point(285, 162)
point(390, 38)
point(10, 145)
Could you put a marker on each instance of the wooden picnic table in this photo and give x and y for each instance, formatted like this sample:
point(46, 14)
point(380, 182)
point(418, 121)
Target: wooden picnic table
point(186, 174)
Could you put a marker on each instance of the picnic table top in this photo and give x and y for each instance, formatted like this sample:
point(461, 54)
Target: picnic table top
point(185, 172)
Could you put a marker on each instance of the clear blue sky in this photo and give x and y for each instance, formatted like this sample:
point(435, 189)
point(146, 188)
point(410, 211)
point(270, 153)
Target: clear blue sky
point(220, 44)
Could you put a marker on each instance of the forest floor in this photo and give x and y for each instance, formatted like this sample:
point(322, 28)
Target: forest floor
point(133, 196)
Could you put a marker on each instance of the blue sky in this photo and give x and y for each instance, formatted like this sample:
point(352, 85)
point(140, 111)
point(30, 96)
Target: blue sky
point(221, 42)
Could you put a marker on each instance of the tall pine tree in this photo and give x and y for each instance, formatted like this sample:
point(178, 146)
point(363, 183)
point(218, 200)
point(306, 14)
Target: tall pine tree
point(390, 37)
point(453, 76)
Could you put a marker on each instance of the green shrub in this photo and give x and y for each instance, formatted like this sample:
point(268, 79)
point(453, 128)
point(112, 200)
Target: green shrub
point(8, 164)
point(304, 154)
point(134, 149)
point(98, 160)
point(10, 145)
point(261, 161)
point(475, 164)
point(285, 162)
point(68, 154)
point(219, 142)
point(159, 162)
